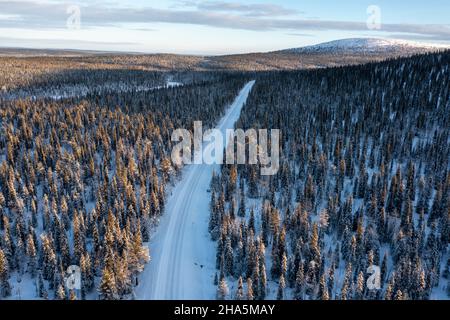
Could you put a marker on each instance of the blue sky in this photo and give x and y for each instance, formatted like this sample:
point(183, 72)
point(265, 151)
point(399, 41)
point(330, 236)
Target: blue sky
point(215, 26)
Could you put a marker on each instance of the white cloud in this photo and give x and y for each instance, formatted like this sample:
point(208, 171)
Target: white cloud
point(218, 14)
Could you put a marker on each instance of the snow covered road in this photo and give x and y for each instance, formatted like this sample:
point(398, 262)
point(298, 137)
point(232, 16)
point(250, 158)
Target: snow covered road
point(182, 254)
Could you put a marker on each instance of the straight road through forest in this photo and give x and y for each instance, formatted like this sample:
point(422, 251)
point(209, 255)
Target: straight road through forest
point(182, 254)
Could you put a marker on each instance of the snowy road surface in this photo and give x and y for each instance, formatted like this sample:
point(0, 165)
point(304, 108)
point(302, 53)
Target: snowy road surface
point(182, 254)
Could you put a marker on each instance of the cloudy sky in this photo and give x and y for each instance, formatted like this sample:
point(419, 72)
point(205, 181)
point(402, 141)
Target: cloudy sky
point(215, 26)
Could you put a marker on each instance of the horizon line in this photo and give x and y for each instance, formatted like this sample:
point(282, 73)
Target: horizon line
point(125, 52)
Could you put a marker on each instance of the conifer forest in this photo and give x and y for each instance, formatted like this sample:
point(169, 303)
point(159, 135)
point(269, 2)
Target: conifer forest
point(358, 209)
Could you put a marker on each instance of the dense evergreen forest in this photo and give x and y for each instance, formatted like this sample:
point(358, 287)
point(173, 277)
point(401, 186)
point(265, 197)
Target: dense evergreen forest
point(85, 172)
point(83, 179)
point(364, 181)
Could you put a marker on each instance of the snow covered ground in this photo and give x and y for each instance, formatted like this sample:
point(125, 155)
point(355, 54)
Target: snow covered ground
point(182, 253)
point(368, 45)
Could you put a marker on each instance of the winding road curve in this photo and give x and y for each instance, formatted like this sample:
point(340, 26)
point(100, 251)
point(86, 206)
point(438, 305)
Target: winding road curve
point(182, 254)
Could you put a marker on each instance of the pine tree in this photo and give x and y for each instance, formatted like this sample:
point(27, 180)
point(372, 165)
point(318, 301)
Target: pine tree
point(251, 221)
point(229, 263)
point(284, 264)
point(331, 278)
point(64, 248)
point(107, 288)
point(359, 287)
point(240, 290)
point(42, 291)
point(252, 183)
point(241, 209)
point(2, 204)
point(346, 286)
point(61, 293)
point(222, 290)
point(262, 280)
point(87, 277)
point(72, 295)
point(31, 253)
point(446, 272)
point(239, 259)
point(314, 244)
point(323, 289)
point(138, 254)
point(383, 269)
point(388, 292)
point(49, 259)
point(410, 185)
point(281, 286)
point(398, 295)
point(250, 293)
point(299, 283)
point(4, 276)
point(122, 276)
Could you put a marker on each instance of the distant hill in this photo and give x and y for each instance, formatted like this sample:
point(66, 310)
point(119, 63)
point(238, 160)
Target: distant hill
point(366, 46)
point(27, 52)
point(329, 54)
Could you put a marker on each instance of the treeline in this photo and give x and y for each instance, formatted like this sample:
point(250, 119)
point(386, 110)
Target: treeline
point(75, 83)
point(25, 71)
point(364, 181)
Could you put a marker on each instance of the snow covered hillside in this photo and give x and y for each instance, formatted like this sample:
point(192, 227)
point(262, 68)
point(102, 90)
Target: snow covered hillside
point(367, 46)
